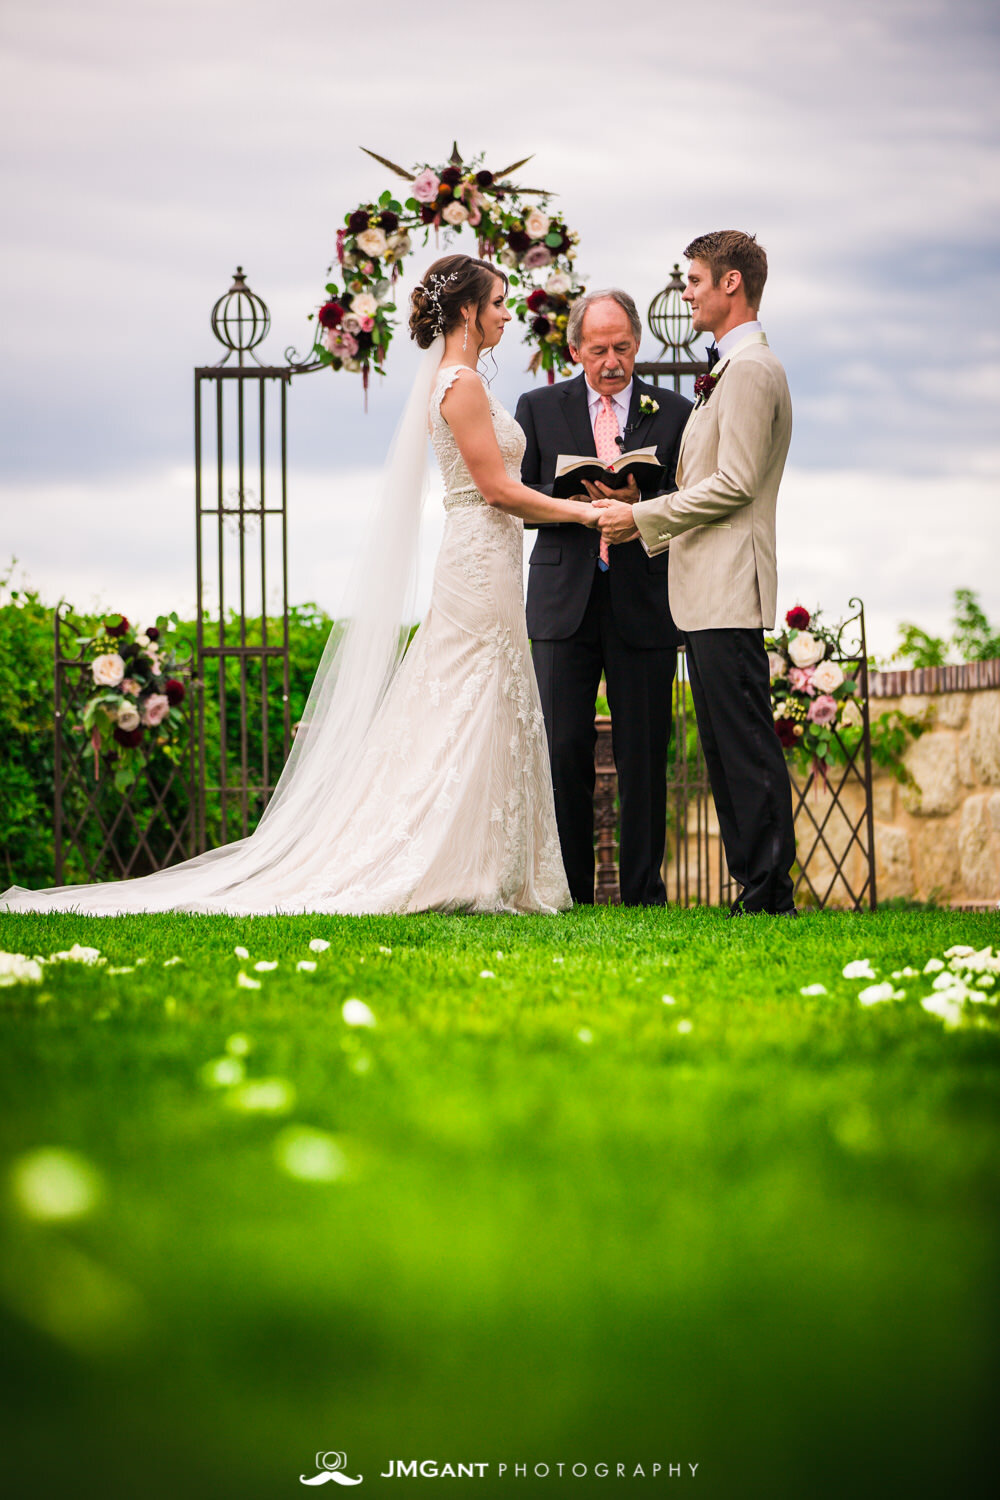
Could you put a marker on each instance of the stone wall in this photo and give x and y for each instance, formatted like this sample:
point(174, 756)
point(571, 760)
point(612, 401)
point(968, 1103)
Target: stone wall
point(939, 838)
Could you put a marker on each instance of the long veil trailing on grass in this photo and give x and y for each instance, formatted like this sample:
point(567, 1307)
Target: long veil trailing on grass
point(328, 753)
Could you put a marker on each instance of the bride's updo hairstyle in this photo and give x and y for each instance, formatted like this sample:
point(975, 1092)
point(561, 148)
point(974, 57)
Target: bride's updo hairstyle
point(450, 284)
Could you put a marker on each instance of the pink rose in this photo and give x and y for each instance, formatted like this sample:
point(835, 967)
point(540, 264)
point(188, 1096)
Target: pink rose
point(156, 708)
point(823, 710)
point(344, 345)
point(537, 256)
point(800, 679)
point(425, 188)
point(367, 324)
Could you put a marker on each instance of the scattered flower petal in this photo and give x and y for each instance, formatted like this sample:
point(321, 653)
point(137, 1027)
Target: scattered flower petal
point(813, 989)
point(272, 1096)
point(123, 969)
point(168, 963)
point(876, 993)
point(668, 1000)
point(245, 982)
point(265, 965)
point(558, 959)
point(77, 955)
point(241, 952)
point(487, 974)
point(16, 968)
point(945, 1008)
point(53, 1184)
point(310, 1155)
point(859, 968)
point(498, 954)
point(933, 966)
point(986, 981)
point(943, 981)
point(584, 1035)
point(383, 949)
point(959, 950)
point(357, 1013)
point(306, 966)
point(684, 1027)
point(318, 945)
point(223, 1073)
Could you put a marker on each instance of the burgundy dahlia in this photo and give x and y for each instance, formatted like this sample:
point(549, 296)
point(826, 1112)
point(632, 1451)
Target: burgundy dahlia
point(484, 179)
point(331, 315)
point(117, 629)
point(704, 386)
point(797, 618)
point(128, 737)
point(541, 326)
point(427, 213)
point(174, 690)
point(388, 220)
point(153, 633)
point(452, 176)
point(785, 730)
point(358, 220)
point(519, 241)
point(537, 300)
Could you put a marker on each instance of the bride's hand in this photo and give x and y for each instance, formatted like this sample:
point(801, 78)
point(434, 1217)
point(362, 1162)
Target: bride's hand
point(589, 514)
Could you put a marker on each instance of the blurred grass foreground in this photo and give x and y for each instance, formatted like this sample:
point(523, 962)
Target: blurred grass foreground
point(285, 1198)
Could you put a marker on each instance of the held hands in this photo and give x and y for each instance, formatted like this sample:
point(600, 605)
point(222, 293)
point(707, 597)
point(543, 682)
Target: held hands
point(615, 510)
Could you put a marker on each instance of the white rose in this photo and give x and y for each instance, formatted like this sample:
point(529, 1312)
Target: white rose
point(536, 224)
point(127, 717)
point(372, 241)
point(806, 650)
point(350, 324)
point(777, 665)
point(363, 305)
point(828, 676)
point(142, 640)
point(455, 213)
point(508, 257)
point(558, 284)
point(399, 241)
point(108, 670)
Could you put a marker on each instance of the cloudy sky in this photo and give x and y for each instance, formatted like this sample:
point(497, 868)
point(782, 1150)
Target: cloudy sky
point(150, 148)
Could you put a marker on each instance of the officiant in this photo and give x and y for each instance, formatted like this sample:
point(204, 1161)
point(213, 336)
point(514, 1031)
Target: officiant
point(592, 612)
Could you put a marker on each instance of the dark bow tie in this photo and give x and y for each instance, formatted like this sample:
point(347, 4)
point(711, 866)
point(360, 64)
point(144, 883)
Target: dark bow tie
point(712, 356)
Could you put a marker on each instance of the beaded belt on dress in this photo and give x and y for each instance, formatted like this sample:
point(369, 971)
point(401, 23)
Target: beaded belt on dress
point(454, 498)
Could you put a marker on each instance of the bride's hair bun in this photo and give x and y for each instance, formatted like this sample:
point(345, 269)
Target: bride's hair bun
point(450, 284)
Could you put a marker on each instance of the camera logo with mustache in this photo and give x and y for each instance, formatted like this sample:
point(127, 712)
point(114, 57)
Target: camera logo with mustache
point(331, 1466)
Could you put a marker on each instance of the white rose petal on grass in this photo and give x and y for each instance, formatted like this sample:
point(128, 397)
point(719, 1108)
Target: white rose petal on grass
point(946, 981)
point(356, 1013)
point(241, 952)
point(246, 982)
point(958, 950)
point(318, 945)
point(813, 989)
point(265, 965)
point(933, 966)
point(383, 949)
point(858, 968)
point(487, 974)
point(986, 981)
point(16, 968)
point(306, 966)
point(977, 962)
point(223, 1073)
point(310, 1155)
point(558, 959)
point(168, 963)
point(585, 1035)
point(123, 969)
point(239, 1044)
point(77, 955)
point(52, 1184)
point(668, 1000)
point(684, 1027)
point(270, 1096)
point(875, 993)
point(944, 1007)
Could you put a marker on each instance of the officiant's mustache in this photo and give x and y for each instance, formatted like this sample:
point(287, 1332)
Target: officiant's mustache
point(616, 374)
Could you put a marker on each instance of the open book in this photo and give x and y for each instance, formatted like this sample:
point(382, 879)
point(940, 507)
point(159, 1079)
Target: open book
point(573, 468)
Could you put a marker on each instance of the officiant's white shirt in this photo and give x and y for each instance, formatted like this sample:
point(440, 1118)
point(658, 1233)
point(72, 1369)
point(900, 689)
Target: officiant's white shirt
point(619, 404)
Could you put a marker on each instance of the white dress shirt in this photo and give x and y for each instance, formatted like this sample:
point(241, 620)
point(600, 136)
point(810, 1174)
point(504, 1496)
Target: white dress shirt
point(620, 403)
point(735, 336)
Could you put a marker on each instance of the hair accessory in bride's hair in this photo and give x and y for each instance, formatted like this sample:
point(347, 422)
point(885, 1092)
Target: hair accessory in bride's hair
point(434, 287)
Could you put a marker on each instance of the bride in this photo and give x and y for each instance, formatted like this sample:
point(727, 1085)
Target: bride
point(416, 782)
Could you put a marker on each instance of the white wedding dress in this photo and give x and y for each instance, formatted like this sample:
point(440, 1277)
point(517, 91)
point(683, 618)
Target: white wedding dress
point(446, 803)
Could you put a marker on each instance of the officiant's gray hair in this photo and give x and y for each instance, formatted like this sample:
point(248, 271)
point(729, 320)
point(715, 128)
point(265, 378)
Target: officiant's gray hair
point(574, 327)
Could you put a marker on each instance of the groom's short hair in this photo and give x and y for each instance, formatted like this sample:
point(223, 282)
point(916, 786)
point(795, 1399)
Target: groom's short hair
point(731, 250)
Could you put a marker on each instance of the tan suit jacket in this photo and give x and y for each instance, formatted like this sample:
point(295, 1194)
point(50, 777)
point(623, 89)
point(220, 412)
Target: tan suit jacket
point(719, 523)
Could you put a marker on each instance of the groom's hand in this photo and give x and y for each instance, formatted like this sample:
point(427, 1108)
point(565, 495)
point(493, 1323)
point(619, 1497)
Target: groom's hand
point(615, 521)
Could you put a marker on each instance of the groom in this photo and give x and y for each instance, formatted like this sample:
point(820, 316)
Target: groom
point(590, 612)
point(719, 526)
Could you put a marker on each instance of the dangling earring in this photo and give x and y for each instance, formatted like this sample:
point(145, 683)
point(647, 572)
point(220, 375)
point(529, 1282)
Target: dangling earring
point(465, 341)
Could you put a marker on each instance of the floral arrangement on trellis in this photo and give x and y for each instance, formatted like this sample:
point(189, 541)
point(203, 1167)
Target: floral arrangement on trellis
point(533, 243)
point(133, 707)
point(815, 702)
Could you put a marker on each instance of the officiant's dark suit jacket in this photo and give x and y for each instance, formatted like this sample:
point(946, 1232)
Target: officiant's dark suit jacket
point(555, 419)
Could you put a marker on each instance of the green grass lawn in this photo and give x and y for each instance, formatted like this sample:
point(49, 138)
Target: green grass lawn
point(536, 1216)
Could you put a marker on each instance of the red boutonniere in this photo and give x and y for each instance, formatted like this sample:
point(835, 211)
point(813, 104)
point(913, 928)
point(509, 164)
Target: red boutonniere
point(703, 387)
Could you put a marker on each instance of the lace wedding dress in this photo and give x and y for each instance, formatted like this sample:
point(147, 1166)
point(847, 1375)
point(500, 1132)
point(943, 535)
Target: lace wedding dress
point(447, 803)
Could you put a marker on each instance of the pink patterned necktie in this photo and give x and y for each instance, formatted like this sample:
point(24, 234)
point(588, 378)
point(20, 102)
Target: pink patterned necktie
point(606, 442)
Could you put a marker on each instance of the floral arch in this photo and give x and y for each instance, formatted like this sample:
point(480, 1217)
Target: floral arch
point(357, 322)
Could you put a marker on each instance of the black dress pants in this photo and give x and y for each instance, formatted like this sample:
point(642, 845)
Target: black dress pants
point(639, 686)
point(746, 766)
